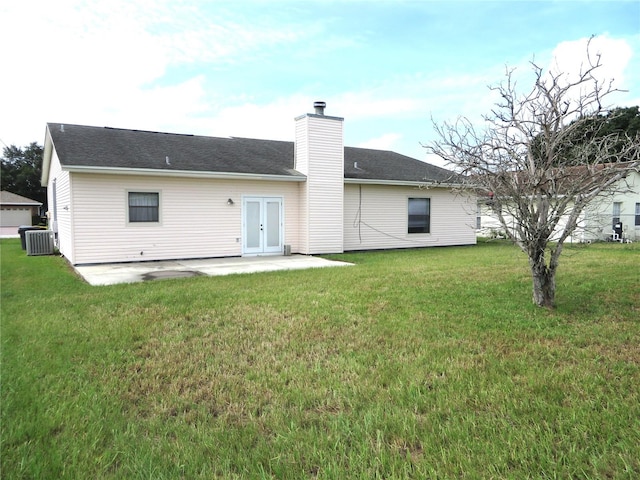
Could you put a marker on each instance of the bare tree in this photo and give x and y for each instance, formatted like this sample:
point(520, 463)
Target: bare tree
point(542, 159)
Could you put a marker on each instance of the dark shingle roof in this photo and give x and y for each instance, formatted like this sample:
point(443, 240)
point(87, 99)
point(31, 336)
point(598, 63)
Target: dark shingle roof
point(118, 148)
point(368, 164)
point(86, 146)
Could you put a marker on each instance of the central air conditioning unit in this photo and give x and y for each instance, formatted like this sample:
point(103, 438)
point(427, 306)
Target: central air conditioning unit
point(39, 242)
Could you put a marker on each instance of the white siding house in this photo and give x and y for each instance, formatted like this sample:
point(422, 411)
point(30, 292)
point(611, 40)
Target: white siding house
point(624, 207)
point(376, 216)
point(597, 220)
point(119, 195)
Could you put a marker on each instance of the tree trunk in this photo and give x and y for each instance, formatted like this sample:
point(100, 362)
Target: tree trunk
point(544, 283)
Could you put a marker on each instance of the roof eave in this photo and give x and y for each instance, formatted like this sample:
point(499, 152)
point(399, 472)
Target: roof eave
point(410, 183)
point(46, 158)
point(182, 173)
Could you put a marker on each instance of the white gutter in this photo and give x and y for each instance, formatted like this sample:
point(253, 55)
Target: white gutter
point(181, 173)
point(411, 183)
point(237, 176)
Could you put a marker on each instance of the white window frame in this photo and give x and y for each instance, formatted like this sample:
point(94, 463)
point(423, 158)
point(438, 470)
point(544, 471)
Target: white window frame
point(428, 199)
point(616, 214)
point(128, 207)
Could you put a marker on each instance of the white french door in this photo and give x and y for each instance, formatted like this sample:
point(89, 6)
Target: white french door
point(262, 225)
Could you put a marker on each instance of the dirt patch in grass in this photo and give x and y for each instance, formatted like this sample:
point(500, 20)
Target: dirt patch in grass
point(188, 365)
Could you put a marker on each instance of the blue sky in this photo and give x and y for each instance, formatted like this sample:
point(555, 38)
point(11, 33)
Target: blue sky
point(247, 68)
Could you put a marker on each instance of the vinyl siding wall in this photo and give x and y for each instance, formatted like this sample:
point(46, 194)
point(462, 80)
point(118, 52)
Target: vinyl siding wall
point(320, 156)
point(63, 207)
point(195, 220)
point(302, 166)
point(596, 221)
point(376, 217)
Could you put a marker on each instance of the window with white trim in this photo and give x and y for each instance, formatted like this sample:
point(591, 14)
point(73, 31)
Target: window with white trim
point(419, 215)
point(637, 214)
point(617, 207)
point(144, 207)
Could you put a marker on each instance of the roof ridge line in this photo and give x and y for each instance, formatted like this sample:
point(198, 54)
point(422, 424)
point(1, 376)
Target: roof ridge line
point(149, 131)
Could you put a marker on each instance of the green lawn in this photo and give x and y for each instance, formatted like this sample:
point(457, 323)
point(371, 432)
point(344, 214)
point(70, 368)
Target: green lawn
point(418, 364)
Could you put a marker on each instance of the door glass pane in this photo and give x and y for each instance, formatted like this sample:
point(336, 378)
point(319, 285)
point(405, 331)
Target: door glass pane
point(253, 224)
point(273, 224)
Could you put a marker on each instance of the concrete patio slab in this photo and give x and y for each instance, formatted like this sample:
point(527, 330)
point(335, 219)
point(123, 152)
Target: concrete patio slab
point(110, 274)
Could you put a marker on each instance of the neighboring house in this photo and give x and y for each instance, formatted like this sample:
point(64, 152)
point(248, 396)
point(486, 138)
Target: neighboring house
point(119, 195)
point(15, 211)
point(596, 222)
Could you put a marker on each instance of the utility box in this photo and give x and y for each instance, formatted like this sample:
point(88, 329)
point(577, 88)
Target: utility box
point(39, 242)
point(617, 231)
point(287, 250)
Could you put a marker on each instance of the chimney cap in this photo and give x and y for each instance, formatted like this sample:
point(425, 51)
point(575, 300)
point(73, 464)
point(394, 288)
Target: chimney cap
point(319, 107)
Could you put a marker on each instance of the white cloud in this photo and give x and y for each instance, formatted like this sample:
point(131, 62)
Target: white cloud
point(153, 64)
point(173, 108)
point(374, 103)
point(571, 58)
point(274, 120)
point(436, 160)
point(107, 63)
point(72, 63)
point(384, 142)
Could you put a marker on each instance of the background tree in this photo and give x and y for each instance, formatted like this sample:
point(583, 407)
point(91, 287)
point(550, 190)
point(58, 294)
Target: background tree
point(543, 157)
point(621, 120)
point(21, 169)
